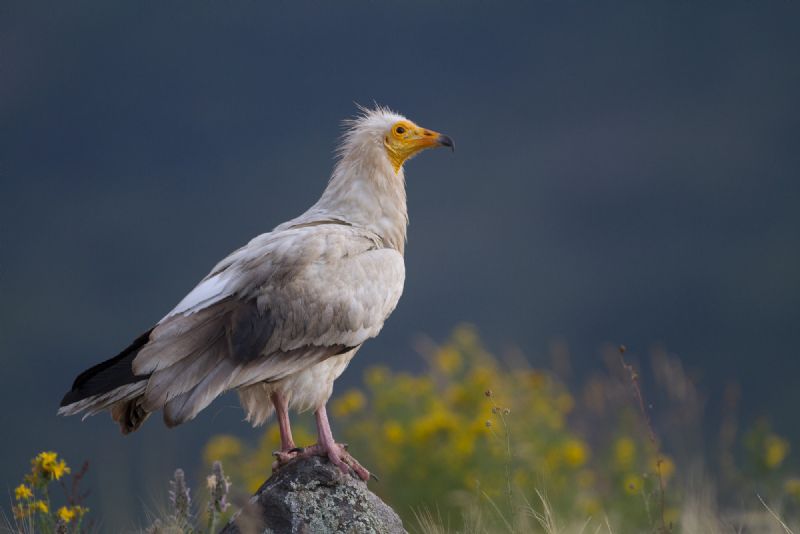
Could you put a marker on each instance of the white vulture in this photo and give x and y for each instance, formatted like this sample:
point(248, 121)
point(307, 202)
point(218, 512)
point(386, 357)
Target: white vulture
point(279, 319)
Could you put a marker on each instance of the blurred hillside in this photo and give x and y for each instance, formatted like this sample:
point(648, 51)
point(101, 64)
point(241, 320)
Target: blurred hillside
point(623, 175)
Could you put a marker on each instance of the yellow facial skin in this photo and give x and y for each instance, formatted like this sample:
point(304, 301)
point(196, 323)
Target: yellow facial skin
point(405, 139)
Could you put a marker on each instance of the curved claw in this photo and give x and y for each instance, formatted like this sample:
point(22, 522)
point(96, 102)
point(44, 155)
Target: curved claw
point(283, 457)
point(345, 459)
point(339, 457)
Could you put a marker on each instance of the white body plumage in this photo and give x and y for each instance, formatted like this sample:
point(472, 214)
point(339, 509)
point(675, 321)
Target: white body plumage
point(285, 313)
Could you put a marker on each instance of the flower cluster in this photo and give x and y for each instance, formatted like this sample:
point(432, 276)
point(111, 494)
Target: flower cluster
point(471, 430)
point(32, 498)
point(47, 466)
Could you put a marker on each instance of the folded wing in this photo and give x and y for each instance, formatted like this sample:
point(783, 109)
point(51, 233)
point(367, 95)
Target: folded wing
point(284, 302)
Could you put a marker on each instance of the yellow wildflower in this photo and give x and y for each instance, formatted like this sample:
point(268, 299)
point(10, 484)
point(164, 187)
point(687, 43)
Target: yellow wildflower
point(375, 376)
point(575, 453)
point(624, 452)
point(792, 487)
point(458, 395)
point(393, 432)
point(482, 376)
point(590, 506)
point(448, 360)
point(48, 464)
point(541, 407)
point(23, 492)
point(666, 468)
point(632, 484)
point(222, 447)
point(672, 515)
point(436, 423)
point(352, 401)
point(775, 450)
point(466, 336)
point(41, 506)
point(463, 442)
point(66, 514)
point(59, 469)
point(44, 458)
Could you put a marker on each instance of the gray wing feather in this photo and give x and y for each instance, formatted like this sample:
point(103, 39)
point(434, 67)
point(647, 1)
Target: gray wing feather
point(187, 405)
point(273, 308)
point(227, 374)
point(181, 359)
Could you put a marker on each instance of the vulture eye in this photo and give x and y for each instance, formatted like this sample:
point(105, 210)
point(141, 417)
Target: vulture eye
point(400, 130)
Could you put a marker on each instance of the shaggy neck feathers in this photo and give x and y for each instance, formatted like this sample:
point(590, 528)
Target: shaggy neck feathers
point(364, 189)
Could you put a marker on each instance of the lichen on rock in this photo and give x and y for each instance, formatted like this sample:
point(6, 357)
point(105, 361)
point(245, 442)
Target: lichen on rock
point(310, 496)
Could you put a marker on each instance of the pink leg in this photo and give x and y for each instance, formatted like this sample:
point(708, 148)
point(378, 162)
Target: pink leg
point(288, 450)
point(282, 413)
point(326, 447)
point(325, 436)
point(335, 452)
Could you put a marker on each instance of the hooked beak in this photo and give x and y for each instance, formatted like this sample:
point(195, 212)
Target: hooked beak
point(423, 138)
point(446, 140)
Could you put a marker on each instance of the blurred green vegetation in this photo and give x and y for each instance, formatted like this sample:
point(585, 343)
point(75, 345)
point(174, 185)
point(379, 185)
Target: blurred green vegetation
point(478, 443)
point(472, 434)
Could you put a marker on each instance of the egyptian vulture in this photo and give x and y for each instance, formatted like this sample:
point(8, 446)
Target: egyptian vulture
point(279, 319)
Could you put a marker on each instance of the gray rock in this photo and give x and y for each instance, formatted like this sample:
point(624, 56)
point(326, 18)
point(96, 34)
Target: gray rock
point(310, 496)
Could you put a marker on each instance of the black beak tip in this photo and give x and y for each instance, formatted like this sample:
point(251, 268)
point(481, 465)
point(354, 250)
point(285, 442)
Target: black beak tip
point(445, 140)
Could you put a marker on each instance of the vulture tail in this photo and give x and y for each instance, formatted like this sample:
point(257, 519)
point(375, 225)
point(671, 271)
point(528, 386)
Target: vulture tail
point(111, 384)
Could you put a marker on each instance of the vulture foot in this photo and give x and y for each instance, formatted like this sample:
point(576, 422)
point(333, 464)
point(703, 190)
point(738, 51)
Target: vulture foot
point(336, 453)
point(284, 456)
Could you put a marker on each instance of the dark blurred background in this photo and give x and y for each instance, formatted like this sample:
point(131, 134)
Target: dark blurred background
point(625, 172)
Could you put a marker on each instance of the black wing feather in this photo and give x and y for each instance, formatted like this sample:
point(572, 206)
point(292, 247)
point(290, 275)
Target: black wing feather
point(109, 374)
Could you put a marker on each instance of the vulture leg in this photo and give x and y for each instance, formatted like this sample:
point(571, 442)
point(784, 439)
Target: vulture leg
point(282, 413)
point(288, 449)
point(335, 452)
point(326, 447)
